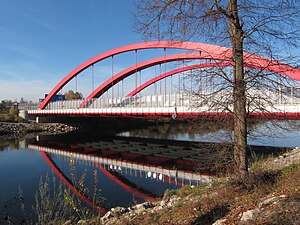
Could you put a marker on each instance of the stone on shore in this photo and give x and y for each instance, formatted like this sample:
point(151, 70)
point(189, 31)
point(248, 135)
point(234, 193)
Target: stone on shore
point(19, 129)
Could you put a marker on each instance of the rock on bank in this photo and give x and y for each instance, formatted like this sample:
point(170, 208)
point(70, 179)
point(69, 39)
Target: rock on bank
point(23, 128)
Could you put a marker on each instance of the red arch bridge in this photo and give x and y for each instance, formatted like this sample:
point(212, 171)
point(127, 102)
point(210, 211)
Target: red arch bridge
point(173, 79)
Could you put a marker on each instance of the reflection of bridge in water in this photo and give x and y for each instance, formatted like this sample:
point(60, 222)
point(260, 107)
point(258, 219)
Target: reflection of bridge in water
point(70, 185)
point(121, 157)
point(161, 160)
point(118, 158)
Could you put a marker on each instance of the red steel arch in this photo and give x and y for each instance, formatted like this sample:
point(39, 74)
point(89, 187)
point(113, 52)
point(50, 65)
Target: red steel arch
point(262, 64)
point(144, 45)
point(213, 51)
point(172, 72)
point(131, 70)
point(183, 69)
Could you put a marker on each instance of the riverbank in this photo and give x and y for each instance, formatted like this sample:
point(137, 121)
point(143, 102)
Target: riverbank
point(270, 195)
point(15, 130)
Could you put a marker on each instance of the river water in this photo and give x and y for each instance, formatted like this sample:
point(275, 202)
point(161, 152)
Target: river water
point(120, 170)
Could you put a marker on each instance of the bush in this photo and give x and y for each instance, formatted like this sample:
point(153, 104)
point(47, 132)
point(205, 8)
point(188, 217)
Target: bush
point(11, 116)
point(18, 119)
point(8, 118)
point(12, 112)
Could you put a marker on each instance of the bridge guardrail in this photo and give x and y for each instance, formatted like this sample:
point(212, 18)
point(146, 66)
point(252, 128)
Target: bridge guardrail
point(167, 103)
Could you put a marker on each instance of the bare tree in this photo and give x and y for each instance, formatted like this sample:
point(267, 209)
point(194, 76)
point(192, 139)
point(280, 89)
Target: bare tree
point(262, 27)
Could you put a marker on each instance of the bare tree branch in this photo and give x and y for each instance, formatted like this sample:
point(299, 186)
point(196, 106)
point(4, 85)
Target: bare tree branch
point(267, 28)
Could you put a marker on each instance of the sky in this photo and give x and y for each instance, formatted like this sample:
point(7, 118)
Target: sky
point(41, 41)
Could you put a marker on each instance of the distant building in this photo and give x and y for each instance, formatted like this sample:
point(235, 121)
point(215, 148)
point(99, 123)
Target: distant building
point(56, 98)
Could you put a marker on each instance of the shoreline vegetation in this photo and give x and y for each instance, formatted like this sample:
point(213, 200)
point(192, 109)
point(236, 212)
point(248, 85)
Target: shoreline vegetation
point(270, 195)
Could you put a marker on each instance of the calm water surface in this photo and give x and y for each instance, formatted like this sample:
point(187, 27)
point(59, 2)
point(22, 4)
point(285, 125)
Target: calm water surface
point(124, 169)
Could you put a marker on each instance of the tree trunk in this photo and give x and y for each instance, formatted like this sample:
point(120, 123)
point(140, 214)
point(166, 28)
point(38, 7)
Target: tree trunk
point(239, 90)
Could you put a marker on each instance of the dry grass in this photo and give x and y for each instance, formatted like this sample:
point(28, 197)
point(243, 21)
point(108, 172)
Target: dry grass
point(229, 199)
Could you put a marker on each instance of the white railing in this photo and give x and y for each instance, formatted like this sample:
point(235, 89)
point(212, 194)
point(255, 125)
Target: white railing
point(150, 101)
point(165, 103)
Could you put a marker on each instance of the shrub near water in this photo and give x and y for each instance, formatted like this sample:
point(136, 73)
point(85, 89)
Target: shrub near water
point(51, 208)
point(11, 116)
point(57, 205)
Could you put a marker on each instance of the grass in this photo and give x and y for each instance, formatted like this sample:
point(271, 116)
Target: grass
point(55, 204)
point(229, 198)
point(52, 203)
point(289, 169)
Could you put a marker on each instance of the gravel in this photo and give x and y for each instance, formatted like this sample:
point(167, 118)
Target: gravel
point(19, 129)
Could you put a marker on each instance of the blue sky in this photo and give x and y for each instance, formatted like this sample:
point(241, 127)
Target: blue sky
point(41, 41)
